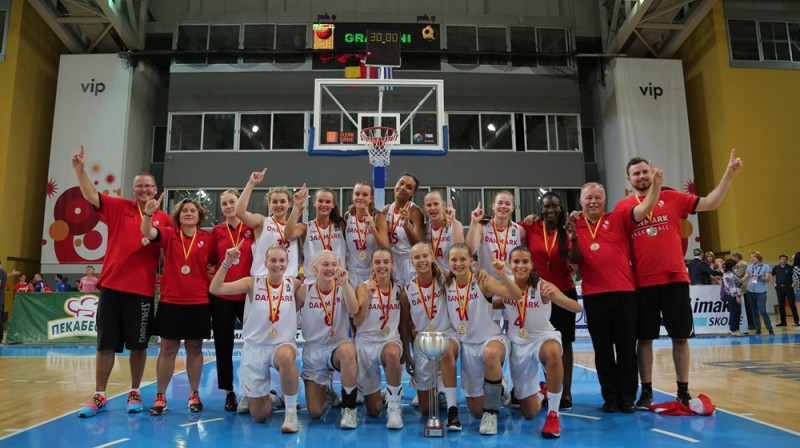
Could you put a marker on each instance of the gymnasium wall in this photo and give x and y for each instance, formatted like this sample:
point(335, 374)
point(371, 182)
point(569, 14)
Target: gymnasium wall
point(27, 95)
point(754, 110)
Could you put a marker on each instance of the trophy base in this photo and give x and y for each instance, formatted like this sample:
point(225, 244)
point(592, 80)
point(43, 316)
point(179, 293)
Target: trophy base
point(434, 431)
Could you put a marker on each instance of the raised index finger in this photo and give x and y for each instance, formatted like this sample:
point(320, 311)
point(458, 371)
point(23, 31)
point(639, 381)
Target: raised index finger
point(733, 154)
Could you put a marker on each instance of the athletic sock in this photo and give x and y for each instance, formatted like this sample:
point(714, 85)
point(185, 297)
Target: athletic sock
point(492, 390)
point(451, 394)
point(135, 389)
point(348, 397)
point(553, 401)
point(393, 397)
point(102, 393)
point(290, 401)
point(647, 387)
point(683, 387)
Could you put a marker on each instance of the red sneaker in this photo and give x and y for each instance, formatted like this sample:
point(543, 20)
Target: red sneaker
point(195, 405)
point(552, 426)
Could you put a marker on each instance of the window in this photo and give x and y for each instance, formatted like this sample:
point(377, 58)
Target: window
point(288, 131)
point(224, 37)
point(492, 40)
point(464, 131)
point(4, 9)
point(481, 131)
point(185, 132)
point(258, 37)
point(255, 131)
point(523, 41)
point(290, 37)
point(218, 131)
point(794, 41)
point(462, 39)
point(552, 43)
point(774, 41)
point(192, 38)
point(552, 132)
point(244, 131)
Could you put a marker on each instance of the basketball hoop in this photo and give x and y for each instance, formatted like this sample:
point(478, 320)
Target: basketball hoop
point(379, 141)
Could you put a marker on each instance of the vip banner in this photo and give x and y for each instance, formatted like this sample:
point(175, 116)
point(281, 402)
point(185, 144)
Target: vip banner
point(644, 115)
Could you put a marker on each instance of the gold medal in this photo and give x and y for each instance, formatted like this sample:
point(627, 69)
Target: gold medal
point(331, 334)
point(185, 270)
point(523, 333)
point(145, 241)
point(594, 246)
point(273, 332)
point(386, 331)
point(652, 231)
point(462, 329)
point(362, 256)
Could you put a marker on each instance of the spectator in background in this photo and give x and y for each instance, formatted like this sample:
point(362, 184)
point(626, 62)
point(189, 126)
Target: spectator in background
point(699, 270)
point(3, 285)
point(38, 284)
point(732, 287)
point(712, 262)
point(88, 283)
point(782, 281)
point(22, 285)
point(795, 274)
point(77, 286)
point(757, 276)
point(61, 285)
point(740, 270)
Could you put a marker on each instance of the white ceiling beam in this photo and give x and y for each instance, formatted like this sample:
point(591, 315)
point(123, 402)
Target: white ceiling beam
point(121, 26)
point(624, 32)
point(698, 14)
point(46, 12)
point(83, 20)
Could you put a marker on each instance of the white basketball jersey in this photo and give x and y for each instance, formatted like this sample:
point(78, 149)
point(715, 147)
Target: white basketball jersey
point(260, 326)
point(477, 320)
point(440, 241)
point(489, 248)
point(360, 244)
point(398, 238)
point(421, 306)
point(317, 239)
point(375, 324)
point(270, 236)
point(537, 316)
point(316, 324)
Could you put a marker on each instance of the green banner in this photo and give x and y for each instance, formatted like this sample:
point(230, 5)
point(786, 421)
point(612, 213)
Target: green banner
point(53, 318)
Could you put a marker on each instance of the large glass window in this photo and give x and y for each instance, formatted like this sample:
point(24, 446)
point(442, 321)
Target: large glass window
point(552, 132)
point(774, 41)
point(462, 39)
point(492, 40)
point(218, 130)
point(191, 38)
point(185, 132)
point(523, 41)
point(3, 31)
point(224, 37)
point(744, 40)
point(481, 131)
point(464, 131)
point(258, 37)
point(255, 131)
point(496, 131)
point(554, 46)
point(794, 41)
point(290, 37)
point(288, 131)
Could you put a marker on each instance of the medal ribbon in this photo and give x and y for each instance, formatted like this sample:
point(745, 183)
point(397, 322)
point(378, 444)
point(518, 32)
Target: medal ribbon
point(462, 300)
point(327, 245)
point(596, 227)
point(396, 212)
point(183, 246)
point(428, 308)
point(650, 215)
point(551, 246)
point(524, 308)
point(385, 309)
point(328, 315)
point(280, 231)
point(238, 234)
point(362, 239)
point(273, 309)
point(438, 238)
point(501, 247)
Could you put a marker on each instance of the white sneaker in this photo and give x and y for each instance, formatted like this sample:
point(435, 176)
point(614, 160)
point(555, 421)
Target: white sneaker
point(415, 401)
point(290, 421)
point(359, 398)
point(394, 419)
point(244, 406)
point(277, 402)
point(506, 398)
point(333, 398)
point(348, 419)
point(488, 424)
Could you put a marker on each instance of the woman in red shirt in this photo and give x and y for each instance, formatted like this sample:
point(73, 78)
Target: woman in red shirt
point(225, 310)
point(183, 308)
point(23, 285)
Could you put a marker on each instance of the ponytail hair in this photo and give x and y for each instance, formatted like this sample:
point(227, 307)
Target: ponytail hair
point(335, 216)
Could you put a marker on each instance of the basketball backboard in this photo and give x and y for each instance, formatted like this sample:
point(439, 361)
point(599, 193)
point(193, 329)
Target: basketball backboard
point(343, 107)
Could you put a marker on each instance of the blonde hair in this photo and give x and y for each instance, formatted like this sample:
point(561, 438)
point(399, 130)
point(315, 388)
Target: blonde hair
point(277, 190)
point(758, 255)
point(318, 258)
point(438, 275)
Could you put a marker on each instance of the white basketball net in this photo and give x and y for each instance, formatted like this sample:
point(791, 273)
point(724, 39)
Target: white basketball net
point(379, 141)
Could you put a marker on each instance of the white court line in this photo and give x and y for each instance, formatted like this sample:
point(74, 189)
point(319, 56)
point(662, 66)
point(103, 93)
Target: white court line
point(112, 443)
point(13, 430)
point(746, 414)
point(201, 422)
point(588, 417)
point(672, 434)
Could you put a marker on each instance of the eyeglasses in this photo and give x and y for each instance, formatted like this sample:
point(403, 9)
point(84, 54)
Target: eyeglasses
point(143, 187)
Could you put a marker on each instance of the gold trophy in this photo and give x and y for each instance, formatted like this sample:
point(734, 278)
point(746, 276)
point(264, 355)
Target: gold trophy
point(432, 345)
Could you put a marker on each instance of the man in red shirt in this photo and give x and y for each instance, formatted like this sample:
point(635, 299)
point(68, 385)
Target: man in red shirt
point(127, 283)
point(660, 271)
point(600, 249)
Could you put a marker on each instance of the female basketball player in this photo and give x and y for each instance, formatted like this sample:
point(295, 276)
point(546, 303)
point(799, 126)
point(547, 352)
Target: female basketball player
point(330, 301)
point(378, 339)
point(442, 229)
point(405, 225)
point(365, 231)
point(226, 309)
point(424, 303)
point(533, 340)
point(270, 325)
point(183, 309)
point(325, 232)
point(495, 239)
point(548, 243)
point(268, 230)
point(484, 347)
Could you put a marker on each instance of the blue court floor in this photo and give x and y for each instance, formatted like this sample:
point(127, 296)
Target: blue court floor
point(584, 426)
